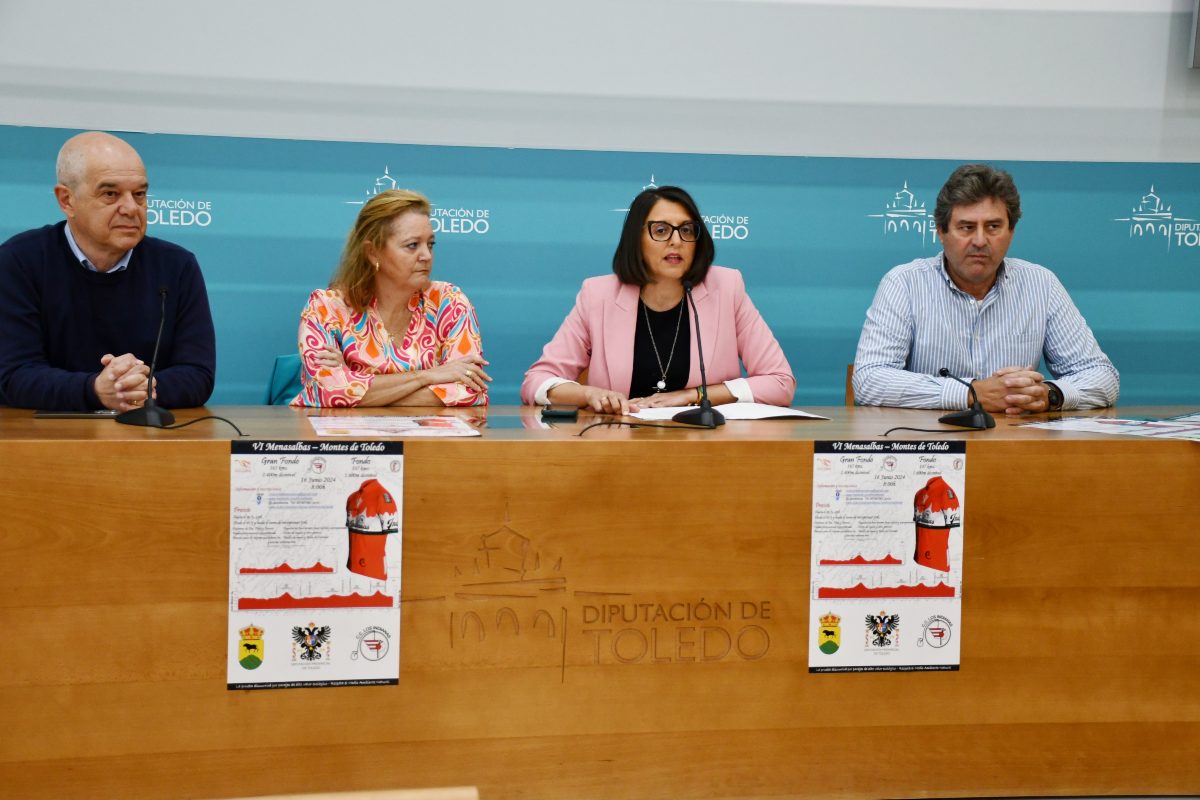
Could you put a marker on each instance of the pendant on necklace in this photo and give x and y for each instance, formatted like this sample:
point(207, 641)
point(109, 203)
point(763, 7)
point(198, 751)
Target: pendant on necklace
point(661, 385)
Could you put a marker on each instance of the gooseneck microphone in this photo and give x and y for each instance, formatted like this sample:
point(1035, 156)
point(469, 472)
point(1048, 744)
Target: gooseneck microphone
point(149, 415)
point(704, 414)
point(974, 417)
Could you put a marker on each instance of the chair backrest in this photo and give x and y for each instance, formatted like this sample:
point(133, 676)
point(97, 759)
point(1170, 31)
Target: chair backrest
point(285, 380)
point(850, 384)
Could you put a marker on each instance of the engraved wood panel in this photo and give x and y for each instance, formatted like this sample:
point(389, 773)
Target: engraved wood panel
point(621, 616)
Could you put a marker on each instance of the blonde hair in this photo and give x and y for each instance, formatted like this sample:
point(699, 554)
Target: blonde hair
point(355, 275)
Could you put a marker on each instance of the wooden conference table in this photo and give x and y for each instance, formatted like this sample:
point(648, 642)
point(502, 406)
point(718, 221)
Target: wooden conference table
point(1080, 654)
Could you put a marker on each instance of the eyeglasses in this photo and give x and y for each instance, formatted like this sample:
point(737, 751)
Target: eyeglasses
point(662, 231)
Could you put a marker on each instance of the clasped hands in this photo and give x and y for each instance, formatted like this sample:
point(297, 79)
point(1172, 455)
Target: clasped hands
point(1013, 390)
point(121, 384)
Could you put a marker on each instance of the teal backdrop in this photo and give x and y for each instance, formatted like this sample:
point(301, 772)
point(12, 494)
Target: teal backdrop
point(520, 229)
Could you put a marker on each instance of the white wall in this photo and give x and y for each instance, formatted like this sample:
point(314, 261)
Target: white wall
point(1061, 79)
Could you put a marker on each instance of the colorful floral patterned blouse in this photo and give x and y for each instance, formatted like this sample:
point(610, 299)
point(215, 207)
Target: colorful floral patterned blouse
point(443, 327)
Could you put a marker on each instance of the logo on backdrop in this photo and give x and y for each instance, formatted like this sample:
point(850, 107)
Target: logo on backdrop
point(720, 226)
point(905, 214)
point(445, 219)
point(650, 185)
point(178, 212)
point(1152, 218)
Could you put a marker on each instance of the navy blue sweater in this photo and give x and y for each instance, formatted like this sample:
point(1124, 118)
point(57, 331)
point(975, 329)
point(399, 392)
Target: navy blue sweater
point(57, 319)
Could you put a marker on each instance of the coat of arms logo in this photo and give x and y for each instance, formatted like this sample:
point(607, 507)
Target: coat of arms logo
point(311, 640)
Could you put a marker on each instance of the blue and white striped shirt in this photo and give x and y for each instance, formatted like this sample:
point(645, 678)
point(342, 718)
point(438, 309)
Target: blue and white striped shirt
point(920, 322)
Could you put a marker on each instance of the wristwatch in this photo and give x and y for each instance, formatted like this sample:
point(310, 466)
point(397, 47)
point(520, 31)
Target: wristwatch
point(1055, 397)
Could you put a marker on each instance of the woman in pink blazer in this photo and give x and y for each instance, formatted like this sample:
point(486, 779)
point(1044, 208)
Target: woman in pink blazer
point(633, 334)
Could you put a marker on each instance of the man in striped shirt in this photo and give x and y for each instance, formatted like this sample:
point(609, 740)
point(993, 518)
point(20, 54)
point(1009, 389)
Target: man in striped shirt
point(987, 319)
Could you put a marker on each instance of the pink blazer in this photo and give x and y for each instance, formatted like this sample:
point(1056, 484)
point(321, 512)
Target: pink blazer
point(598, 336)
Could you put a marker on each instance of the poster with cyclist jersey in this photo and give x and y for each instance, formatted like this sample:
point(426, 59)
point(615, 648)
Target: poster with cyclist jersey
point(887, 556)
point(314, 563)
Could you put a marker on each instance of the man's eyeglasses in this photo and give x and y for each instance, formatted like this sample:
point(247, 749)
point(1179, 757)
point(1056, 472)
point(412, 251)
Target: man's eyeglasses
point(662, 231)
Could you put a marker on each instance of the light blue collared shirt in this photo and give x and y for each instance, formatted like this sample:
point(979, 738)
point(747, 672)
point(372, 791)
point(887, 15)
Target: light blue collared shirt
point(920, 322)
point(120, 265)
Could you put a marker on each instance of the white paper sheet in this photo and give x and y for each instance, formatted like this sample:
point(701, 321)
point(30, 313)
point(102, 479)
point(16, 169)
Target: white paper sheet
point(731, 411)
point(372, 427)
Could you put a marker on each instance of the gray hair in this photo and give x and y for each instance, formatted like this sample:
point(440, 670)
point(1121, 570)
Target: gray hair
point(71, 166)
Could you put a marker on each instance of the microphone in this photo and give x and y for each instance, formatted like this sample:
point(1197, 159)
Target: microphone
point(150, 415)
point(704, 414)
point(974, 417)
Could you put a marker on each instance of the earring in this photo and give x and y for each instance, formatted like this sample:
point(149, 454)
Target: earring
point(377, 266)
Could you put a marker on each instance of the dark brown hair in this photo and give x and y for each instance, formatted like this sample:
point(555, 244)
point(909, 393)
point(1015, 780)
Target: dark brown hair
point(971, 183)
point(627, 260)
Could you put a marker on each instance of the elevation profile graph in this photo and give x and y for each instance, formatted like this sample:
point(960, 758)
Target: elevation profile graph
point(285, 569)
point(858, 561)
point(859, 591)
point(287, 601)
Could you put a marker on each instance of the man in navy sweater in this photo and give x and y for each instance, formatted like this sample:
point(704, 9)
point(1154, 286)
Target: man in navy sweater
point(80, 301)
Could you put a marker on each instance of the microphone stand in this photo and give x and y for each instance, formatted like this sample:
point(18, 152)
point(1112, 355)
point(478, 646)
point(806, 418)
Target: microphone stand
point(974, 417)
point(149, 415)
point(703, 415)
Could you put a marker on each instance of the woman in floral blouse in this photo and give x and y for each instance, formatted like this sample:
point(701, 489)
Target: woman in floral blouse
point(384, 333)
